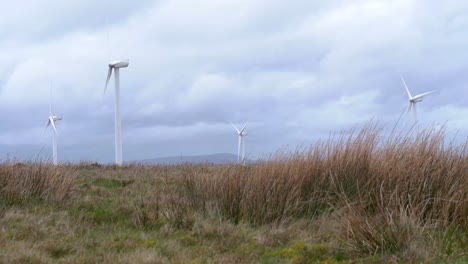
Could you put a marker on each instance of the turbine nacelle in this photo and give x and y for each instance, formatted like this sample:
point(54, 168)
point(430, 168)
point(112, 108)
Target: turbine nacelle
point(119, 64)
point(115, 65)
point(51, 122)
point(55, 118)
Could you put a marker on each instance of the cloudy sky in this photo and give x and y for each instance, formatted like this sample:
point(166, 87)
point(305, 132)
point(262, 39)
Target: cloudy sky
point(296, 69)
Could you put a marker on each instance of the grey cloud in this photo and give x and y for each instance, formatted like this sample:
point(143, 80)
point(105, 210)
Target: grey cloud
point(296, 69)
point(32, 20)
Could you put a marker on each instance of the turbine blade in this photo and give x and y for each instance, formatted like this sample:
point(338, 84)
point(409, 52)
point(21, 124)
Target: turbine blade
point(45, 128)
point(53, 125)
point(406, 87)
point(242, 130)
point(424, 94)
point(109, 73)
point(235, 128)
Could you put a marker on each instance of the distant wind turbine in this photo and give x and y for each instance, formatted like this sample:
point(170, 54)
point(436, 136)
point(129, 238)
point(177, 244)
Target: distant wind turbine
point(51, 122)
point(413, 99)
point(241, 143)
point(116, 65)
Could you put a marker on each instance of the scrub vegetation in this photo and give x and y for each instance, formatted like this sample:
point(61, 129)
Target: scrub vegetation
point(359, 197)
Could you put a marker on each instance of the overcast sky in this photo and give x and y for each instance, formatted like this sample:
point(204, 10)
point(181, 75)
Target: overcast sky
point(296, 69)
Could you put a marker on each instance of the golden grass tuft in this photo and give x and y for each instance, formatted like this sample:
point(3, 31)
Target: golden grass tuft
point(386, 190)
point(21, 181)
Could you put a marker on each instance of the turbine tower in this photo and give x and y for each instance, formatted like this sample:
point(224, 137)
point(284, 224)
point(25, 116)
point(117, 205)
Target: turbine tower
point(115, 66)
point(241, 143)
point(413, 99)
point(51, 122)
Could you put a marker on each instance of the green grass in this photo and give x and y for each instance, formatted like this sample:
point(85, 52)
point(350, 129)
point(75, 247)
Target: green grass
point(110, 183)
point(97, 224)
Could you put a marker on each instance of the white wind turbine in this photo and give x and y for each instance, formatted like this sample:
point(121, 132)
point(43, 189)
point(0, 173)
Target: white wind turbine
point(116, 65)
point(413, 99)
point(51, 122)
point(241, 143)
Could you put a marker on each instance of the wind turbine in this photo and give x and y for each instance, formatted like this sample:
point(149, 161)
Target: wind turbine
point(51, 122)
point(413, 99)
point(241, 143)
point(116, 65)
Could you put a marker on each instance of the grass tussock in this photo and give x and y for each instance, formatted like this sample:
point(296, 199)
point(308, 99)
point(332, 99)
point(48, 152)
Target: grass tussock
point(22, 181)
point(387, 192)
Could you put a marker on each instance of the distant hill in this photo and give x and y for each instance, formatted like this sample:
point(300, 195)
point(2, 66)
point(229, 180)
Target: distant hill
point(220, 158)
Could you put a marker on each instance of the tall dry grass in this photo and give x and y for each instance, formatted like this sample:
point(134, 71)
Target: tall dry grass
point(21, 181)
point(385, 190)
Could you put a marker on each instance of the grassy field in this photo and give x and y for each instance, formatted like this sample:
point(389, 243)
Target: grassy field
point(359, 197)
